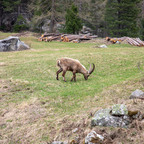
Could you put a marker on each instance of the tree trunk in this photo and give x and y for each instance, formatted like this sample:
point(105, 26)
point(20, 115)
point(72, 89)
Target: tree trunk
point(119, 19)
point(1, 13)
point(52, 16)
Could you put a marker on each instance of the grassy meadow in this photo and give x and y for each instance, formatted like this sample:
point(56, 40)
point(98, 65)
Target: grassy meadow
point(34, 106)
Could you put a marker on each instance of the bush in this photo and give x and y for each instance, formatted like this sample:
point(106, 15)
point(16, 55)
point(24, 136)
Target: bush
point(2, 27)
point(20, 24)
point(18, 28)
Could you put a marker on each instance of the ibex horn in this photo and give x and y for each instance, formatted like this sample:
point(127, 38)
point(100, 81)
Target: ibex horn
point(91, 69)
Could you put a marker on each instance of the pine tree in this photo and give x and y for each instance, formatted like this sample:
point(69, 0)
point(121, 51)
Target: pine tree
point(10, 6)
point(73, 22)
point(121, 18)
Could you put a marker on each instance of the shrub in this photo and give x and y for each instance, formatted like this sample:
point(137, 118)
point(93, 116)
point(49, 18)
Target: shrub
point(20, 24)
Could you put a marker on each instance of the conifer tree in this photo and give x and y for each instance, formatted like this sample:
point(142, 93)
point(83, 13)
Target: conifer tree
point(10, 6)
point(121, 18)
point(73, 22)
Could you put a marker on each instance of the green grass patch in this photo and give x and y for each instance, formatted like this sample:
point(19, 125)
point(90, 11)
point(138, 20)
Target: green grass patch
point(37, 66)
point(28, 82)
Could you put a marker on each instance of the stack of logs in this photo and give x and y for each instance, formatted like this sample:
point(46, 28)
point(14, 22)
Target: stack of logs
point(76, 38)
point(65, 37)
point(131, 41)
point(49, 37)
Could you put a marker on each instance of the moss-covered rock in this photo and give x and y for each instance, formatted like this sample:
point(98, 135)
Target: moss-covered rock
point(104, 117)
point(119, 110)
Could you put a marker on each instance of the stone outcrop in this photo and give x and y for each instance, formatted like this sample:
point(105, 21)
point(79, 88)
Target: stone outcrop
point(117, 116)
point(12, 44)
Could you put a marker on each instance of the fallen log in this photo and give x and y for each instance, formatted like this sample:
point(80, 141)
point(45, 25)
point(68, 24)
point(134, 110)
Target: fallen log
point(139, 41)
point(131, 41)
point(51, 38)
point(50, 34)
point(68, 38)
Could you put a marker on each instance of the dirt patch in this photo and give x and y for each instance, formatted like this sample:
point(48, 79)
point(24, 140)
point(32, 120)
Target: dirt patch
point(9, 89)
point(4, 86)
point(28, 113)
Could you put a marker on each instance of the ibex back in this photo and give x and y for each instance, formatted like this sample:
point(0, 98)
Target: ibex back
point(69, 64)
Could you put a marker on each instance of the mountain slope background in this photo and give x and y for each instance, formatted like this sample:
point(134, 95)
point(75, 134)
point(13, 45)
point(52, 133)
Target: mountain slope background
point(49, 16)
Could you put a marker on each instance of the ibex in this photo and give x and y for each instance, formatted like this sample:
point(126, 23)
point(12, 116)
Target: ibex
point(69, 64)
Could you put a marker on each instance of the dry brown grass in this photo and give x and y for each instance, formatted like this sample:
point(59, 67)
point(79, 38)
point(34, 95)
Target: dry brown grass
point(21, 123)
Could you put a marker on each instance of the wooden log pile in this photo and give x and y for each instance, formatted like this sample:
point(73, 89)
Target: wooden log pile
point(49, 37)
point(65, 37)
point(76, 38)
point(131, 41)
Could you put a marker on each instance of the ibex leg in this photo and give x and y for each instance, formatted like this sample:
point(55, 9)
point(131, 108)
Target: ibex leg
point(64, 72)
point(57, 73)
point(74, 76)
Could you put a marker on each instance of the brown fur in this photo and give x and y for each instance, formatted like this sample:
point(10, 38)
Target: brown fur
point(68, 64)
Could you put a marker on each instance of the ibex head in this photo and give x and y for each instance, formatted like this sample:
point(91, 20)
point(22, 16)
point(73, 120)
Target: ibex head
point(89, 72)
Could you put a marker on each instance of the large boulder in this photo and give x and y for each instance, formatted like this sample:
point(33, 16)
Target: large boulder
point(117, 116)
point(12, 44)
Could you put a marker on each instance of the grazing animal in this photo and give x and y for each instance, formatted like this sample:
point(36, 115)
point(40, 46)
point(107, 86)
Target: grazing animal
point(69, 64)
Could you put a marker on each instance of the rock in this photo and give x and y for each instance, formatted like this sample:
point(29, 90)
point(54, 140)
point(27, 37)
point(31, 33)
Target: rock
point(86, 30)
point(137, 94)
point(12, 44)
point(132, 112)
point(142, 123)
point(103, 46)
point(46, 26)
point(75, 130)
point(104, 117)
point(119, 110)
point(22, 46)
point(118, 42)
point(93, 138)
point(137, 116)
